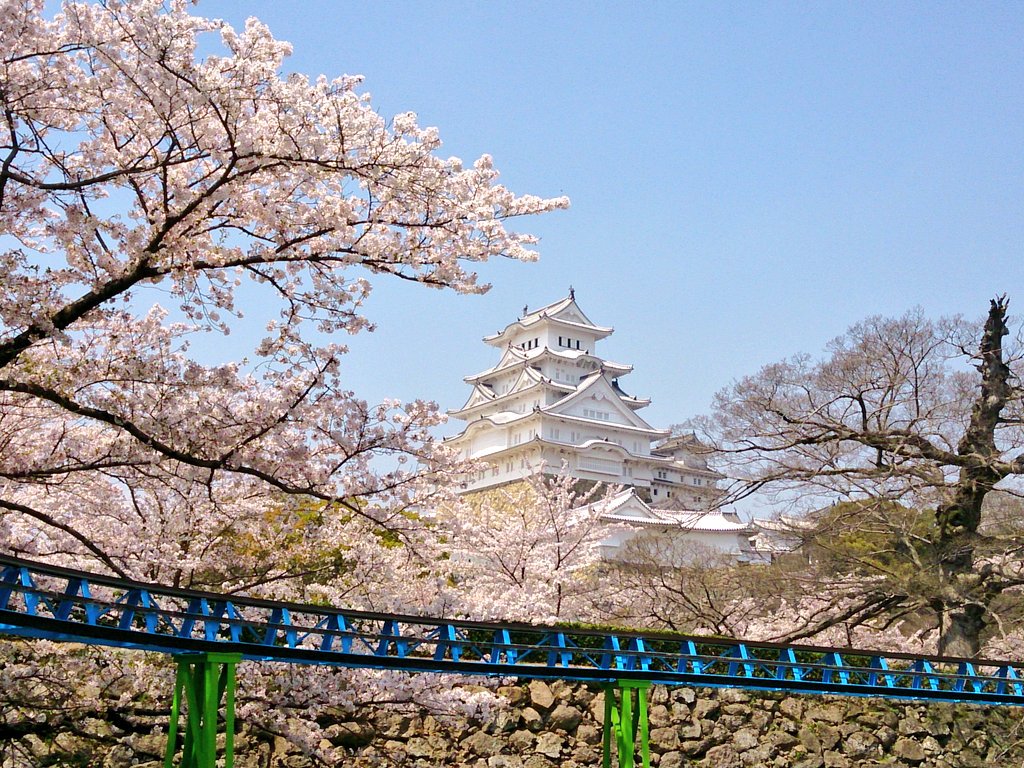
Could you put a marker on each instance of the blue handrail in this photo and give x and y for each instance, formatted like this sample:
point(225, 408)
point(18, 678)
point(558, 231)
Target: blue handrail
point(43, 601)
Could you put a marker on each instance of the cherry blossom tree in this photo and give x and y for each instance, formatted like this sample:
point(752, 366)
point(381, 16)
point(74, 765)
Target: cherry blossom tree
point(528, 550)
point(132, 169)
point(151, 196)
point(912, 424)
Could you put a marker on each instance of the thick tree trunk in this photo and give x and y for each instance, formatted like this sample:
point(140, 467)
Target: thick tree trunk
point(961, 629)
point(965, 593)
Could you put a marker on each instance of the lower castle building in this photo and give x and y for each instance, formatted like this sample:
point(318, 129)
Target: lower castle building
point(552, 401)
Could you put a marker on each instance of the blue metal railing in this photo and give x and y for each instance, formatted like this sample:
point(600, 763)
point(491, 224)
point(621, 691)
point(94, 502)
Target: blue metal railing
point(42, 601)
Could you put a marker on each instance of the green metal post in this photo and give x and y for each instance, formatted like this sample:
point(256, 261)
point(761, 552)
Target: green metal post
point(204, 679)
point(626, 723)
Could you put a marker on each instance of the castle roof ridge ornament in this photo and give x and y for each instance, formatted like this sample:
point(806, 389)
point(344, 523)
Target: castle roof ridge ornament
point(572, 293)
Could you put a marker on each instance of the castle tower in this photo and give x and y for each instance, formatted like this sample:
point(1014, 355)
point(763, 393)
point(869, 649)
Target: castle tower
point(552, 399)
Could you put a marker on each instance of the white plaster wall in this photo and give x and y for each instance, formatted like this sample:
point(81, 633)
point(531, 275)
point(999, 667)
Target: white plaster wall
point(670, 546)
point(487, 441)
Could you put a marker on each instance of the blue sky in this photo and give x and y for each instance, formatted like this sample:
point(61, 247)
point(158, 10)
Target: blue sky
point(747, 180)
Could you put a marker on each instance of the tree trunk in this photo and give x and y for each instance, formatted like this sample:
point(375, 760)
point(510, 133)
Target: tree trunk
point(960, 631)
point(961, 612)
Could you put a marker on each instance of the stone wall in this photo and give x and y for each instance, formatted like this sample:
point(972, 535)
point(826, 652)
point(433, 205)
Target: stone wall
point(557, 724)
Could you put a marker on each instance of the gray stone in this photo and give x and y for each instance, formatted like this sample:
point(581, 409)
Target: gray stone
point(659, 716)
point(522, 741)
point(541, 695)
point(590, 734)
point(393, 726)
point(911, 726)
point(706, 709)
point(550, 744)
point(484, 744)
point(886, 736)
point(152, 744)
point(588, 755)
point(565, 717)
point(780, 740)
point(722, 756)
point(96, 727)
point(829, 713)
point(759, 720)
point(562, 690)
point(755, 758)
point(350, 734)
point(877, 718)
point(733, 696)
point(745, 739)
point(418, 746)
point(836, 760)
point(531, 719)
point(827, 735)
point(505, 761)
point(909, 750)
point(121, 756)
point(731, 723)
point(691, 730)
point(672, 760)
point(516, 695)
point(538, 761)
point(596, 707)
point(664, 739)
point(809, 741)
point(860, 744)
point(792, 708)
point(695, 748)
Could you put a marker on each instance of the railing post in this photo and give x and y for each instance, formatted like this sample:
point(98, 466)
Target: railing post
point(626, 721)
point(204, 680)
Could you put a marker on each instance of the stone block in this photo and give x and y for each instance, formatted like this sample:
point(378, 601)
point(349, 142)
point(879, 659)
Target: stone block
point(745, 739)
point(909, 750)
point(484, 744)
point(540, 695)
point(565, 717)
point(531, 719)
point(550, 744)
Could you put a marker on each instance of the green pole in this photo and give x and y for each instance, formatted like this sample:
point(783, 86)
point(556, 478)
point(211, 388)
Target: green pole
point(203, 680)
point(626, 723)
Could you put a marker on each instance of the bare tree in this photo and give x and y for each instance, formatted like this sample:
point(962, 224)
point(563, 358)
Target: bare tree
point(915, 423)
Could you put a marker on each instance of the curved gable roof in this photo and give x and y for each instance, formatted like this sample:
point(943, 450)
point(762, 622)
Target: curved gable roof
point(565, 311)
point(598, 384)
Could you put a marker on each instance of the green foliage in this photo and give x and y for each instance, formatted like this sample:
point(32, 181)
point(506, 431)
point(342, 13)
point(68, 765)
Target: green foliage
point(873, 537)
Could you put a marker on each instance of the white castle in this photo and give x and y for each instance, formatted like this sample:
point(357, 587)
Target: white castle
point(553, 402)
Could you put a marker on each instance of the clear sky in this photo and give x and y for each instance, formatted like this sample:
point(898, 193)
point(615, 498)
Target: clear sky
point(748, 179)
